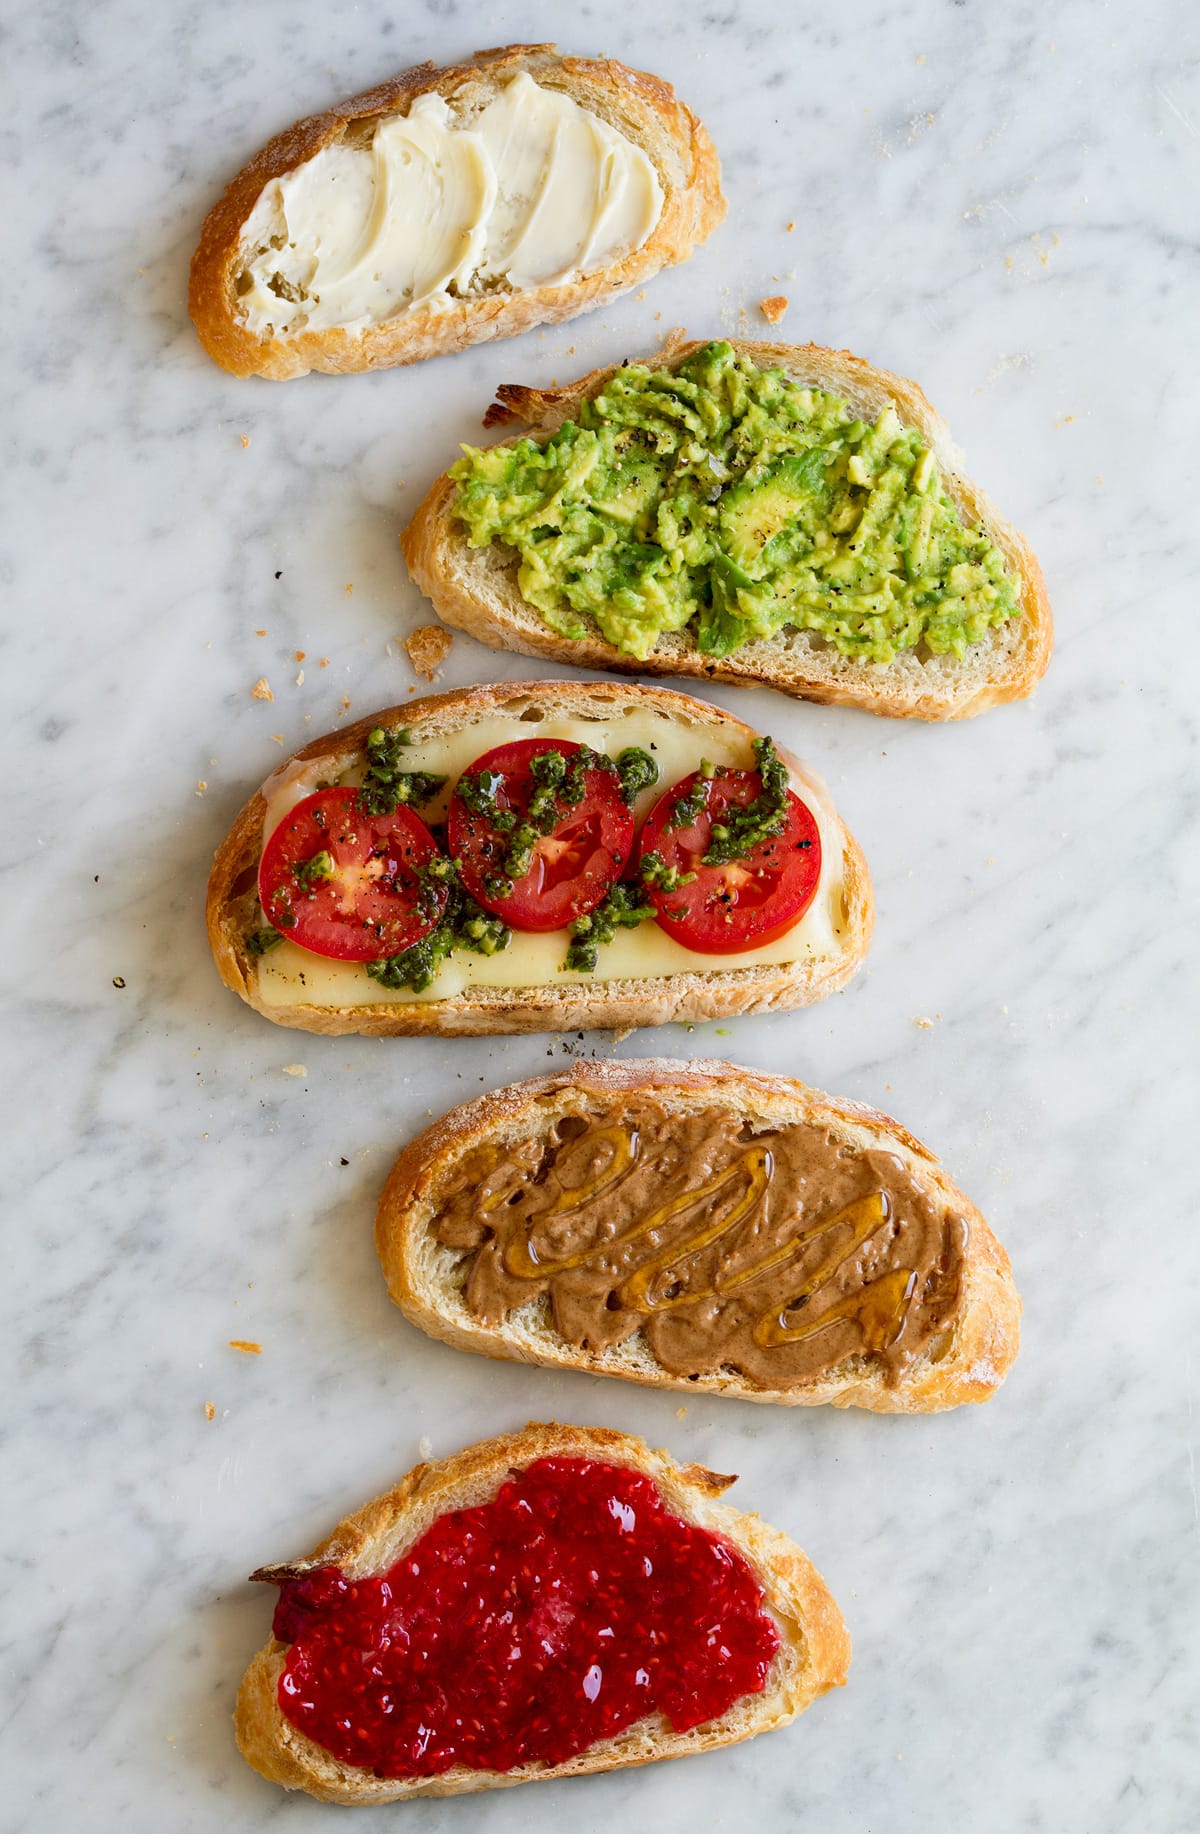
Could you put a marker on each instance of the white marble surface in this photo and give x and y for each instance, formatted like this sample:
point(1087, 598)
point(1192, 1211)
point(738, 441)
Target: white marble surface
point(1000, 201)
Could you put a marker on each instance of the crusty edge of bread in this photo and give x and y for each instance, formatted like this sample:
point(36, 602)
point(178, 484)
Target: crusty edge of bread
point(612, 1005)
point(441, 562)
point(814, 1655)
point(642, 105)
point(986, 1332)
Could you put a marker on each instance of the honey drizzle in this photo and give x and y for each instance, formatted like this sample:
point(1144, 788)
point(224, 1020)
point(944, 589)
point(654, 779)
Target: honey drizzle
point(879, 1308)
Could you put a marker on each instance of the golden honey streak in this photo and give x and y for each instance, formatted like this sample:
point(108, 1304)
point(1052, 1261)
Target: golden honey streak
point(879, 1307)
point(716, 1247)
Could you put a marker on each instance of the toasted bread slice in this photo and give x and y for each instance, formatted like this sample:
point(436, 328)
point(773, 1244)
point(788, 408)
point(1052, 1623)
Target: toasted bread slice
point(476, 590)
point(641, 107)
point(965, 1360)
point(813, 1657)
point(843, 900)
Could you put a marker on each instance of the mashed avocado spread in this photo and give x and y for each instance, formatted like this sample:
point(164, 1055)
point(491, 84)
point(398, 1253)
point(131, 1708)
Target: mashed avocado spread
point(728, 501)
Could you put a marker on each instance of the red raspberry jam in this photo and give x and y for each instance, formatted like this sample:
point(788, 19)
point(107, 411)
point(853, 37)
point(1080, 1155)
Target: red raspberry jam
point(524, 1631)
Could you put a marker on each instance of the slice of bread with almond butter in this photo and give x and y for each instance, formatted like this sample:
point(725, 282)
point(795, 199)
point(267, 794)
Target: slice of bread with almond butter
point(700, 1227)
point(764, 514)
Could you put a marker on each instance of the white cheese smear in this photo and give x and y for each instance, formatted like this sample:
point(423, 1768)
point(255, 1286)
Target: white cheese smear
point(536, 192)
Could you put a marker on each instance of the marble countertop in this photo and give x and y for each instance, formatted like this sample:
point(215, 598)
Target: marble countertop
point(1001, 202)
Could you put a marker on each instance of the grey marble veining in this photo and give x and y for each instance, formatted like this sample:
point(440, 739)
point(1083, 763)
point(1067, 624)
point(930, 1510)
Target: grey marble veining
point(1001, 202)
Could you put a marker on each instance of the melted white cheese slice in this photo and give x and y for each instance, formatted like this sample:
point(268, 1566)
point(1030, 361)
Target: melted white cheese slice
point(290, 976)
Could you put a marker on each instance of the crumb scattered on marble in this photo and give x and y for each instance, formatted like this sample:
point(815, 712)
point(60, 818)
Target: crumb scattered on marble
point(278, 737)
point(681, 1413)
point(245, 1345)
point(295, 1069)
point(789, 227)
point(201, 786)
point(425, 1446)
point(118, 980)
point(324, 663)
point(245, 438)
point(260, 633)
point(349, 587)
point(262, 689)
point(347, 703)
point(210, 1412)
point(428, 648)
point(927, 1024)
point(774, 308)
point(299, 655)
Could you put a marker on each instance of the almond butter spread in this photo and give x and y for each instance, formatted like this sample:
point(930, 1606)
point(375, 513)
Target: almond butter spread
point(776, 1251)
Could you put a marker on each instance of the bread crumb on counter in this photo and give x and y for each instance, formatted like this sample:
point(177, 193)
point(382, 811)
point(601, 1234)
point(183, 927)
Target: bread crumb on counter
point(300, 655)
point(245, 1345)
point(774, 308)
point(245, 438)
point(927, 1024)
point(262, 689)
point(295, 1069)
point(428, 648)
point(201, 786)
point(210, 1412)
point(681, 1413)
point(425, 1446)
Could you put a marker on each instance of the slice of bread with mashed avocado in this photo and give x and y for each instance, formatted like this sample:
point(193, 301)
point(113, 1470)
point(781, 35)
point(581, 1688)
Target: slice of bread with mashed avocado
point(744, 512)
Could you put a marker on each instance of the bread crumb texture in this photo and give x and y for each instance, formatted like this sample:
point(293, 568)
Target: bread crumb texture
point(774, 308)
point(245, 1345)
point(428, 648)
point(262, 689)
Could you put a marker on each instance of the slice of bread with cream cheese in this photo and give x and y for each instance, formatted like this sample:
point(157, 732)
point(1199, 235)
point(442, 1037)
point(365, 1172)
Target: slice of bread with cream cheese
point(450, 206)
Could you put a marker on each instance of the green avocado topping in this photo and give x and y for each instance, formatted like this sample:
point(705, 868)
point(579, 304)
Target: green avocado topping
point(727, 501)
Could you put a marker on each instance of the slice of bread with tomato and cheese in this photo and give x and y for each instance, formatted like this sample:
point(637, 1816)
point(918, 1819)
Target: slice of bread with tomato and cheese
point(421, 755)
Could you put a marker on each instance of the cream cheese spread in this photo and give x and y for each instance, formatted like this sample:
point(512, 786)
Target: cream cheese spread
point(536, 191)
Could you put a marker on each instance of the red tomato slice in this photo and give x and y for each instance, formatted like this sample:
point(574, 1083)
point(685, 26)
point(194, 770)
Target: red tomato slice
point(372, 903)
point(573, 866)
point(748, 902)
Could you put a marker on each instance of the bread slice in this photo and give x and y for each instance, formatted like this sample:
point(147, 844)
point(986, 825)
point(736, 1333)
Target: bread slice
point(704, 994)
point(475, 589)
point(814, 1652)
point(641, 107)
point(426, 1280)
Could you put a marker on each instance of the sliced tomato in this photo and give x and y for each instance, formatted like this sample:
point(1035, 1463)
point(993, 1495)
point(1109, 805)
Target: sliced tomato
point(573, 864)
point(748, 902)
point(350, 885)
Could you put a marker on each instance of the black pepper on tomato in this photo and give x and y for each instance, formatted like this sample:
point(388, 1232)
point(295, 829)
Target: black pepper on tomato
point(711, 903)
point(540, 830)
point(351, 885)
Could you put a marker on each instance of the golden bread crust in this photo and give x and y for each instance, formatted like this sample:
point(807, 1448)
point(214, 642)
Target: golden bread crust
point(815, 1646)
point(642, 106)
point(986, 1333)
point(607, 1005)
point(472, 590)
